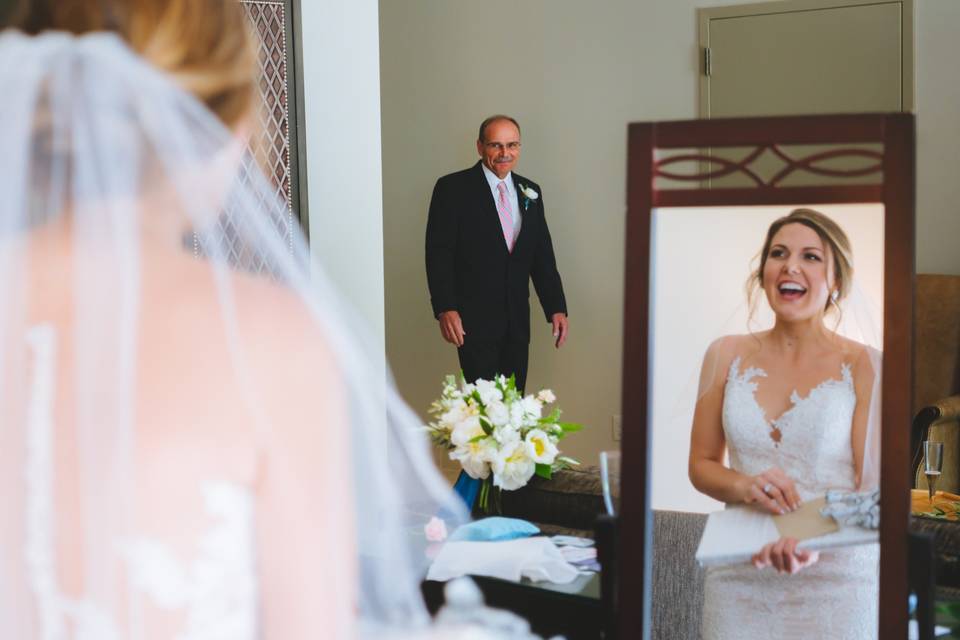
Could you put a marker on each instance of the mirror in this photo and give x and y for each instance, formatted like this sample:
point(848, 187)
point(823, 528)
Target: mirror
point(685, 277)
point(700, 260)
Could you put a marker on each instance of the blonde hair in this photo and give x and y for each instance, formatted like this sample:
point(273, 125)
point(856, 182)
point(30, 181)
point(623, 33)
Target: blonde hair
point(832, 237)
point(205, 45)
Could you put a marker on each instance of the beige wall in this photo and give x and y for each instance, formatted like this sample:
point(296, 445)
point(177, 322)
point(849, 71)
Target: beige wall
point(574, 74)
point(938, 137)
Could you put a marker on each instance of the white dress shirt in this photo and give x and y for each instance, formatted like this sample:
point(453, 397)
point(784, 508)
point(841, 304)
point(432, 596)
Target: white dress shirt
point(493, 181)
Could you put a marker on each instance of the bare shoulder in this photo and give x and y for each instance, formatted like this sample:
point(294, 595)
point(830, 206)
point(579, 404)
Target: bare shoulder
point(720, 356)
point(278, 327)
point(726, 348)
point(863, 359)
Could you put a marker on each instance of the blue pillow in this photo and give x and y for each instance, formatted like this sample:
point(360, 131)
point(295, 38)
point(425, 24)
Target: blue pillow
point(495, 528)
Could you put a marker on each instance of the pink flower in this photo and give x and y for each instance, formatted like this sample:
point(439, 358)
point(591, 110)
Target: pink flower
point(436, 530)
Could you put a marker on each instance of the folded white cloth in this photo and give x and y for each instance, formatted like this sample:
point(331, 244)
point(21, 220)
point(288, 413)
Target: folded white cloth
point(536, 559)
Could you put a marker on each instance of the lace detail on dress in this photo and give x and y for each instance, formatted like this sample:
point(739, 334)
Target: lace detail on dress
point(837, 596)
point(814, 446)
point(217, 592)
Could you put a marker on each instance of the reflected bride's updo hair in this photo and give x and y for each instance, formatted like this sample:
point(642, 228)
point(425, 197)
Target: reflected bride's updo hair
point(832, 237)
point(205, 45)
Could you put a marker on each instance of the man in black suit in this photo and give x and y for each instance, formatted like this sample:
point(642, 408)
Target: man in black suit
point(487, 237)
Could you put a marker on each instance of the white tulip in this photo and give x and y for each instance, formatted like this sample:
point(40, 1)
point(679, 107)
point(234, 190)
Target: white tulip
point(466, 430)
point(512, 467)
point(540, 447)
point(475, 457)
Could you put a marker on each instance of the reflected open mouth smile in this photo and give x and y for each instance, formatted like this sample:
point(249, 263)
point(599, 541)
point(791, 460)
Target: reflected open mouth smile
point(791, 290)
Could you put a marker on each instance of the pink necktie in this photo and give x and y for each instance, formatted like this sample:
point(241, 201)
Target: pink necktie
point(506, 218)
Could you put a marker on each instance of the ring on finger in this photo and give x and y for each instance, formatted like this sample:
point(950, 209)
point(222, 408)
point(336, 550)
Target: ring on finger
point(767, 488)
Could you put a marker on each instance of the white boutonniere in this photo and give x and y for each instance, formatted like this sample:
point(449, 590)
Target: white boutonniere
point(529, 194)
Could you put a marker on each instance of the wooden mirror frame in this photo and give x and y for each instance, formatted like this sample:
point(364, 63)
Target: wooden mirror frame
point(894, 166)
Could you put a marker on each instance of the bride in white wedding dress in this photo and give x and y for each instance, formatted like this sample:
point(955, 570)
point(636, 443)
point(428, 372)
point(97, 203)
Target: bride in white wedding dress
point(194, 443)
point(794, 407)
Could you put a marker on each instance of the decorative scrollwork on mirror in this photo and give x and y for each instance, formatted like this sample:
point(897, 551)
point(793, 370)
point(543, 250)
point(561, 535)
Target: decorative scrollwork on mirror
point(810, 164)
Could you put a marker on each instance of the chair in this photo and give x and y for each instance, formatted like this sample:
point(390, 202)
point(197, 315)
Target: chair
point(937, 414)
point(937, 376)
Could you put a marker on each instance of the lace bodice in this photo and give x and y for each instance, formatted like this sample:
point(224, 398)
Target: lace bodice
point(835, 597)
point(815, 440)
point(213, 590)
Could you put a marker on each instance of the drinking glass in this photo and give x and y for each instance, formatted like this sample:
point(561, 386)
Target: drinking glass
point(610, 480)
point(932, 464)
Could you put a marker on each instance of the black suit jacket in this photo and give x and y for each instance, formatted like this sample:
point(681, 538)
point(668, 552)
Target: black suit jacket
point(469, 268)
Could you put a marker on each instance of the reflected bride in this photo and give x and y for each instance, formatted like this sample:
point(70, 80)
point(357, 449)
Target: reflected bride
point(794, 406)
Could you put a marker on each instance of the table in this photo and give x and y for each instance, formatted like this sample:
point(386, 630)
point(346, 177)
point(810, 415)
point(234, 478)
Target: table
point(572, 610)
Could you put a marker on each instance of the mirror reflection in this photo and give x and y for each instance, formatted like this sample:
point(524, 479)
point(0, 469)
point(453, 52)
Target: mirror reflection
point(766, 333)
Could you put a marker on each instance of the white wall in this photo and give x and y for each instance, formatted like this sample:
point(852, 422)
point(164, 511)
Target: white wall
point(341, 86)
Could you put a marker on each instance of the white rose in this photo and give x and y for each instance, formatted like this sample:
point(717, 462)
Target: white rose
point(456, 413)
point(498, 414)
point(529, 192)
point(506, 435)
point(532, 408)
point(488, 392)
point(466, 430)
point(540, 447)
point(546, 396)
point(516, 415)
point(475, 457)
point(512, 467)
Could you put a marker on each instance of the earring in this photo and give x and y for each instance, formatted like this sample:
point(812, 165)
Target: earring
point(834, 295)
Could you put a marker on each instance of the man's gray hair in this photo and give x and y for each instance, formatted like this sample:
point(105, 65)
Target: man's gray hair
point(486, 123)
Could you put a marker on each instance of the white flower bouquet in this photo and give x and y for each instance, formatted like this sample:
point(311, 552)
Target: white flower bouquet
point(497, 435)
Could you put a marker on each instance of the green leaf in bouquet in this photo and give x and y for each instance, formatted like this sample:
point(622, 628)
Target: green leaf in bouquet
point(552, 418)
point(544, 471)
point(476, 439)
point(568, 461)
point(570, 427)
point(486, 425)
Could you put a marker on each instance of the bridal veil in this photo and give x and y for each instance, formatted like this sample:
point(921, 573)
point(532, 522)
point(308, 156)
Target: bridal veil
point(165, 340)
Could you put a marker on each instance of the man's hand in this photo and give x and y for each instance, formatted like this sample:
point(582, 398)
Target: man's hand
point(451, 327)
point(559, 321)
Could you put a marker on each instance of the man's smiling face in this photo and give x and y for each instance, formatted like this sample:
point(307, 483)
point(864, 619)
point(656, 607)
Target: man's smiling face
point(500, 148)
